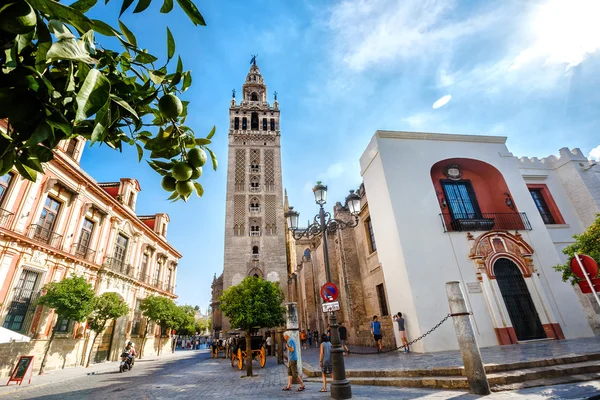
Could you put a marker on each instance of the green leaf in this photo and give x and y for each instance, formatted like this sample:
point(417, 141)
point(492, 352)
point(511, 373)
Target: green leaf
point(10, 55)
point(8, 160)
point(145, 58)
point(60, 30)
point(68, 49)
point(25, 171)
point(125, 6)
point(141, 6)
point(86, 42)
point(212, 132)
point(93, 95)
point(170, 45)
point(101, 122)
point(202, 142)
point(173, 196)
point(41, 133)
point(192, 12)
point(103, 28)
point(167, 7)
point(23, 41)
point(128, 34)
point(156, 76)
point(157, 169)
point(140, 152)
point(187, 81)
point(44, 44)
point(213, 158)
point(63, 13)
point(179, 65)
point(199, 189)
point(83, 5)
point(125, 105)
point(163, 165)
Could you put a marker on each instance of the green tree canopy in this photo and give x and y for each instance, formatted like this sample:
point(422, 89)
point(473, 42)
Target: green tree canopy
point(58, 82)
point(586, 243)
point(160, 310)
point(183, 320)
point(107, 306)
point(72, 298)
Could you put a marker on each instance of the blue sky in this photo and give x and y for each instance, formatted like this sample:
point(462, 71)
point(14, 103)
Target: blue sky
point(528, 70)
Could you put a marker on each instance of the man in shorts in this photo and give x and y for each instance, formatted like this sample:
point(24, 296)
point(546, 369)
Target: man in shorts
point(376, 332)
point(292, 348)
point(401, 329)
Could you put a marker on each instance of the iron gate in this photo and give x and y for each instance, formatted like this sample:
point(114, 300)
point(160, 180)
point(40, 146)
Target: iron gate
point(521, 310)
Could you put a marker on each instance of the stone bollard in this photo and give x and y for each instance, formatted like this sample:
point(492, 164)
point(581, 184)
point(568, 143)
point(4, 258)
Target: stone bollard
point(280, 345)
point(292, 327)
point(467, 341)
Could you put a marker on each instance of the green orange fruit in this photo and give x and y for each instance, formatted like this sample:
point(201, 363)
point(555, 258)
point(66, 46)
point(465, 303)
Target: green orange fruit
point(168, 183)
point(196, 173)
point(18, 18)
point(185, 188)
point(182, 171)
point(196, 157)
point(170, 106)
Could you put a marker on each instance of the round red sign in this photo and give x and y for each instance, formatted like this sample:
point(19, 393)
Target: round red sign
point(329, 292)
point(590, 265)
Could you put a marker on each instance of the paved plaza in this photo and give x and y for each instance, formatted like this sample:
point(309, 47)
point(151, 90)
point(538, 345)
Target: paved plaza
point(194, 375)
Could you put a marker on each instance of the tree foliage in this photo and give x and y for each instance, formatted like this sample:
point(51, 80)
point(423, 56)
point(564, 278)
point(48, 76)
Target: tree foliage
point(160, 310)
point(107, 306)
point(254, 303)
point(183, 320)
point(586, 243)
point(58, 82)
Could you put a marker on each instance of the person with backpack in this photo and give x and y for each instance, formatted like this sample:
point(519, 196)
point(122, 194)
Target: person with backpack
point(325, 360)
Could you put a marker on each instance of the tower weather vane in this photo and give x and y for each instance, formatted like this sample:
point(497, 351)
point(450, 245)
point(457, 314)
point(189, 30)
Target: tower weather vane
point(253, 59)
point(233, 93)
point(275, 93)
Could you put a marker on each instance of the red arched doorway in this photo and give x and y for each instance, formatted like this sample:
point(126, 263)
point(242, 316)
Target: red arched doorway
point(516, 296)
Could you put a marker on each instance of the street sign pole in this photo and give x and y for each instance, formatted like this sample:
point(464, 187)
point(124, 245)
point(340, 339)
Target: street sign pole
point(587, 278)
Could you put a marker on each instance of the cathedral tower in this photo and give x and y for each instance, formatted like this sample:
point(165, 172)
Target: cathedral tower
point(254, 221)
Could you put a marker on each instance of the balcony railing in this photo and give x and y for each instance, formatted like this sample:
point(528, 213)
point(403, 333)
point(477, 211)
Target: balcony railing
point(6, 218)
point(254, 209)
point(255, 256)
point(144, 277)
point(21, 310)
point(254, 189)
point(41, 234)
point(254, 169)
point(84, 252)
point(170, 288)
point(485, 222)
point(117, 265)
point(158, 284)
point(254, 233)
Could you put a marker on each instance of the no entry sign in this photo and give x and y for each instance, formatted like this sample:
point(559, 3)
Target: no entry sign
point(329, 292)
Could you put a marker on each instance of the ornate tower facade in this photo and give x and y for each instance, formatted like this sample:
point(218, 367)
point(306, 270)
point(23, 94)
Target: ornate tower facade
point(254, 222)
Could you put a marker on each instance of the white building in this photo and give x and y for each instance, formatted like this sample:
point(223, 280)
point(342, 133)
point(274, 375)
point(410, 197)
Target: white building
point(461, 208)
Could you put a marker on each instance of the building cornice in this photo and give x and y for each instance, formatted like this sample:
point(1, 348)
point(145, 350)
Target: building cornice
point(448, 137)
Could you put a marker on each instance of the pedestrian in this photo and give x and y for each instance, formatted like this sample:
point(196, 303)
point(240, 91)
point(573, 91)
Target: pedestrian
point(268, 344)
point(376, 332)
point(325, 360)
point(316, 337)
point(309, 337)
point(401, 329)
point(303, 339)
point(343, 337)
point(328, 332)
point(292, 348)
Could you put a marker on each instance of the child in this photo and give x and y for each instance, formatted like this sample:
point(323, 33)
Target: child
point(325, 360)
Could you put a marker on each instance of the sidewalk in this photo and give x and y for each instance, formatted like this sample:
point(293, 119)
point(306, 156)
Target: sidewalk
point(62, 375)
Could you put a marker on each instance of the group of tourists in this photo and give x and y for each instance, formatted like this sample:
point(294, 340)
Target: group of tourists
point(377, 333)
point(191, 342)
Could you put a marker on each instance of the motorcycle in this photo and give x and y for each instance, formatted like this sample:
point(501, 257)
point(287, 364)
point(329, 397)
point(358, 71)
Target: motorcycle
point(126, 362)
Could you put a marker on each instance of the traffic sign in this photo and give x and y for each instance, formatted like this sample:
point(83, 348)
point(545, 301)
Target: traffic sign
point(332, 306)
point(329, 292)
point(590, 265)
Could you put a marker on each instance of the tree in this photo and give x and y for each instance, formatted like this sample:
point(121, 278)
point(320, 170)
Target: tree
point(59, 83)
point(586, 243)
point(107, 306)
point(161, 311)
point(182, 320)
point(72, 298)
point(254, 303)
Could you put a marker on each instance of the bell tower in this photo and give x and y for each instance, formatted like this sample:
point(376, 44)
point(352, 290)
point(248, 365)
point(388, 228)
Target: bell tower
point(254, 221)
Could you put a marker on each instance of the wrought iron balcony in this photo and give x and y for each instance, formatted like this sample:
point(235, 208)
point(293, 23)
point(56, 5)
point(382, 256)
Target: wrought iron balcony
point(158, 284)
point(254, 233)
point(255, 256)
point(170, 288)
point(6, 218)
point(485, 222)
point(118, 265)
point(254, 209)
point(83, 251)
point(46, 236)
point(255, 189)
point(143, 277)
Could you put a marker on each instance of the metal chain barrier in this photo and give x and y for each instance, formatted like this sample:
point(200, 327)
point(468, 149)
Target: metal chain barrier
point(412, 341)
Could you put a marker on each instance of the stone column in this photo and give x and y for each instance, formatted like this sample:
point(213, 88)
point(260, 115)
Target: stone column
point(292, 327)
point(273, 342)
point(280, 345)
point(474, 369)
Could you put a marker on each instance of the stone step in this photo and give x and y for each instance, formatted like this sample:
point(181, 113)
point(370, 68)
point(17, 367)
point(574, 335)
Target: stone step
point(549, 372)
point(547, 382)
point(437, 382)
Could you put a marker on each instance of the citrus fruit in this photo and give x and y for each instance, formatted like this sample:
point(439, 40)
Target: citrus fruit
point(18, 18)
point(170, 106)
point(182, 171)
point(196, 157)
point(196, 173)
point(168, 183)
point(185, 188)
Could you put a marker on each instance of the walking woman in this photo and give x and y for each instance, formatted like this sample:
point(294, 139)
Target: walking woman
point(325, 360)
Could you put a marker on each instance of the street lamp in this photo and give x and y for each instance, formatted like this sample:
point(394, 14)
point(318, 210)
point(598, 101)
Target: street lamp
point(323, 223)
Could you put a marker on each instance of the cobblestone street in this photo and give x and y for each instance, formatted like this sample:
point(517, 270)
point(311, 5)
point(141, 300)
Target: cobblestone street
point(194, 375)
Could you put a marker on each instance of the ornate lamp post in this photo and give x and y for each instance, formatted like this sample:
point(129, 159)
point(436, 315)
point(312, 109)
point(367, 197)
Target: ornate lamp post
point(322, 224)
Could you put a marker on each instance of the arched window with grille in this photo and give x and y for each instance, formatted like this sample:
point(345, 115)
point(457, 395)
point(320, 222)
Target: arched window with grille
point(254, 230)
point(272, 124)
point(236, 123)
point(254, 121)
point(254, 204)
point(264, 124)
point(254, 184)
point(244, 123)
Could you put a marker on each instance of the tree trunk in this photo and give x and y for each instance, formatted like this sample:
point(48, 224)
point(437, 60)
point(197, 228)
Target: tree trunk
point(159, 337)
point(144, 339)
point(45, 359)
point(248, 354)
point(89, 358)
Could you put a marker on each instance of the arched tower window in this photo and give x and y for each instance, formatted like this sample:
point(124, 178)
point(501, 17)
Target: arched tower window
point(264, 124)
point(244, 123)
point(254, 121)
point(254, 229)
point(254, 184)
point(254, 96)
point(236, 123)
point(272, 124)
point(255, 252)
point(254, 204)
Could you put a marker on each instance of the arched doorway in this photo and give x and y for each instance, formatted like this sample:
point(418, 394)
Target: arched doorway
point(516, 296)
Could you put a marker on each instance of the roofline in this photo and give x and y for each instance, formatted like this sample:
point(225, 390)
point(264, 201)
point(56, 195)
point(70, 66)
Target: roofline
point(449, 137)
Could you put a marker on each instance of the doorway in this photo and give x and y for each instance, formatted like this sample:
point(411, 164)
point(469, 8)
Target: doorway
point(516, 296)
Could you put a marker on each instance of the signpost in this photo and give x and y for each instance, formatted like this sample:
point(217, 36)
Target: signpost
point(24, 364)
point(583, 266)
point(329, 292)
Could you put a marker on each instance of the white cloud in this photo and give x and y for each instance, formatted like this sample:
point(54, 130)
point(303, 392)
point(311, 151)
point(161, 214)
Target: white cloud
point(595, 153)
point(419, 120)
point(441, 102)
